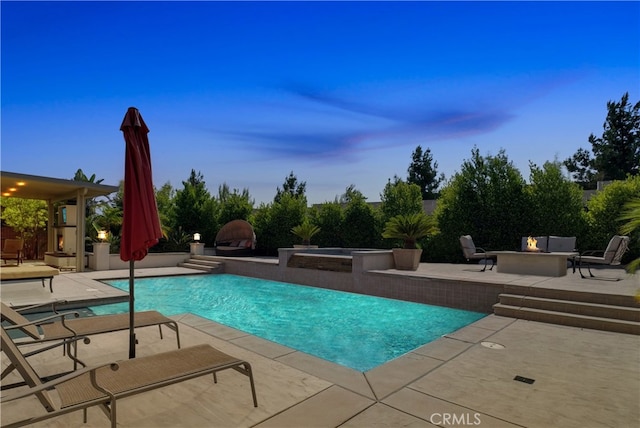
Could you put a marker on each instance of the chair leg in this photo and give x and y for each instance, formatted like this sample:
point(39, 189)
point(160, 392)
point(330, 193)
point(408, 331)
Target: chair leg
point(580, 270)
point(588, 269)
point(485, 265)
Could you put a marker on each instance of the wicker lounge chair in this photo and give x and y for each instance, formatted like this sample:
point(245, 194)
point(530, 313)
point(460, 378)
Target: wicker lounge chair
point(105, 384)
point(235, 238)
point(12, 250)
point(612, 255)
point(471, 252)
point(60, 327)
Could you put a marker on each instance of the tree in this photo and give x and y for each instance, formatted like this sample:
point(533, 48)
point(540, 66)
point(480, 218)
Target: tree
point(233, 205)
point(351, 194)
point(329, 217)
point(194, 208)
point(555, 202)
point(81, 176)
point(165, 199)
point(605, 215)
point(486, 200)
point(292, 187)
point(580, 165)
point(400, 198)
point(27, 217)
point(631, 215)
point(361, 227)
point(617, 152)
point(423, 171)
point(273, 223)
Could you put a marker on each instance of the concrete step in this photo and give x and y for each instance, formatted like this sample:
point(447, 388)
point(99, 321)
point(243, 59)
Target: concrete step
point(573, 295)
point(570, 319)
point(206, 265)
point(574, 307)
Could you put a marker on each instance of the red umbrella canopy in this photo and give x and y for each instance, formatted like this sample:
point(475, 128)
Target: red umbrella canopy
point(140, 223)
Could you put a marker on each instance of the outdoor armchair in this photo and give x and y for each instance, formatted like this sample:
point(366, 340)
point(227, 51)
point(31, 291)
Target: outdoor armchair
point(611, 256)
point(471, 252)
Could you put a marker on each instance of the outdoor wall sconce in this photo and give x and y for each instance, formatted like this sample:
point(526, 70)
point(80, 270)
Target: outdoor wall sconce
point(196, 237)
point(102, 235)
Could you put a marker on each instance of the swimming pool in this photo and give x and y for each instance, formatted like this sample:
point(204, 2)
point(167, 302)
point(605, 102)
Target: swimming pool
point(354, 330)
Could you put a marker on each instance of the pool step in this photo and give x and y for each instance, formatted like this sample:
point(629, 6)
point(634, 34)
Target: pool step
point(621, 319)
point(203, 264)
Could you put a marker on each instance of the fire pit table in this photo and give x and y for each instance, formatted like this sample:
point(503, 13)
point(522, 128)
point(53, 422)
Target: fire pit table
point(532, 262)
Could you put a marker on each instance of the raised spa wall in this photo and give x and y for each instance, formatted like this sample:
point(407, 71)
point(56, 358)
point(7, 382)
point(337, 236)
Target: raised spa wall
point(372, 272)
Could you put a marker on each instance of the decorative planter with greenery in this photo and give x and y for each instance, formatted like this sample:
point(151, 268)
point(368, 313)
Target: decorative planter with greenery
point(305, 231)
point(409, 228)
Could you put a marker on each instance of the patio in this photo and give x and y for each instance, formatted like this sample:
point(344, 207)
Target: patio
point(581, 377)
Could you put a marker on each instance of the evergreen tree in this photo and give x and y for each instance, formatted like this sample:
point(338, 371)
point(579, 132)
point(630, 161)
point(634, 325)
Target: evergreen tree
point(234, 205)
point(292, 187)
point(616, 153)
point(423, 171)
point(194, 210)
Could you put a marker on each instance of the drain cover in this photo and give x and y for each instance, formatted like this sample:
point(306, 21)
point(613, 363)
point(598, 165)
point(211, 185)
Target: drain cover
point(492, 345)
point(524, 379)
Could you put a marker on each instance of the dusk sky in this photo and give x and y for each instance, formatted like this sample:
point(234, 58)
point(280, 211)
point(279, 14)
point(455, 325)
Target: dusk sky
point(340, 93)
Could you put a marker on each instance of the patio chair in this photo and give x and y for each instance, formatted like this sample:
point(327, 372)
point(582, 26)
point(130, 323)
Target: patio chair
point(12, 250)
point(105, 384)
point(61, 327)
point(471, 252)
point(611, 256)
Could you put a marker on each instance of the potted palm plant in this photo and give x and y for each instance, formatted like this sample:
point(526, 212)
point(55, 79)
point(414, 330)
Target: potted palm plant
point(305, 231)
point(409, 228)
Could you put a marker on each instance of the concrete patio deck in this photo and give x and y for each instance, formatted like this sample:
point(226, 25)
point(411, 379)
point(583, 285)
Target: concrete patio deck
point(581, 377)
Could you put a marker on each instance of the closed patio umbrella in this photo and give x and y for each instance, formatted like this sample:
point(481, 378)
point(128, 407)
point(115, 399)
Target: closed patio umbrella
point(140, 220)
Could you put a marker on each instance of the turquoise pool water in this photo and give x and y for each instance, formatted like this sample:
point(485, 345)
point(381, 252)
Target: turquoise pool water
point(353, 330)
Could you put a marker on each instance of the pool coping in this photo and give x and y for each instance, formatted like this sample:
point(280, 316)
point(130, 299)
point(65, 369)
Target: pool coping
point(377, 383)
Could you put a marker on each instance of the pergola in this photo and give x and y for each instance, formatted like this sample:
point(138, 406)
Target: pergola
point(54, 190)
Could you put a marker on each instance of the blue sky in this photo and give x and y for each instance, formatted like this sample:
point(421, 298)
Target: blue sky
point(340, 93)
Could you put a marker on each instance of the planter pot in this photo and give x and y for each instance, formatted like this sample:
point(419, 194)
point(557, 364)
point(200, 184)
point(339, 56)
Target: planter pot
point(406, 259)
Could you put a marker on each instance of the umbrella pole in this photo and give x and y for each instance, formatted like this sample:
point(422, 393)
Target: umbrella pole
point(132, 333)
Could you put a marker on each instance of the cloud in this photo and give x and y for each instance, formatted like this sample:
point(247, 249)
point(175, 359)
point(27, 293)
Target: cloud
point(306, 123)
